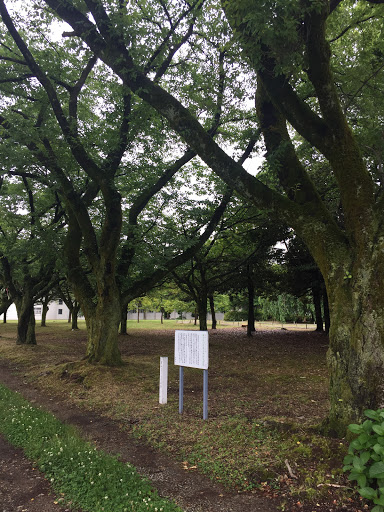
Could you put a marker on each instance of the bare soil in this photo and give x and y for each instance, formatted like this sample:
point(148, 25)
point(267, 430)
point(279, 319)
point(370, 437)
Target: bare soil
point(24, 489)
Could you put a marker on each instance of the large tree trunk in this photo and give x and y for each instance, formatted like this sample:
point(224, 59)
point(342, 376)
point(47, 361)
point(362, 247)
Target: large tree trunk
point(100, 303)
point(26, 320)
point(213, 312)
point(316, 294)
point(103, 329)
point(356, 352)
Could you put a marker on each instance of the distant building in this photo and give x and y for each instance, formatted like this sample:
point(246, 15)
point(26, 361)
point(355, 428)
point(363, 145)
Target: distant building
point(59, 311)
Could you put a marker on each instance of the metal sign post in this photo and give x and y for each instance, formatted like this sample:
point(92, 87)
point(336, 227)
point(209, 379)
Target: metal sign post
point(181, 389)
point(205, 395)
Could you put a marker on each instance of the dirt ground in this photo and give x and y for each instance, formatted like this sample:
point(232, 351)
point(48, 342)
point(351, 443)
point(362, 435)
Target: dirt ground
point(24, 489)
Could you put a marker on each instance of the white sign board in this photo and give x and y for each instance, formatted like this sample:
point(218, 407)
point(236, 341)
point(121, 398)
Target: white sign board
point(191, 349)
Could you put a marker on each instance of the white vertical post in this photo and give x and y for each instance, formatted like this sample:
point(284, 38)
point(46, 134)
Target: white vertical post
point(163, 380)
point(205, 395)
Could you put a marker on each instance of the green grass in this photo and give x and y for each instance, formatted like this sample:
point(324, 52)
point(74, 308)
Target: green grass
point(81, 474)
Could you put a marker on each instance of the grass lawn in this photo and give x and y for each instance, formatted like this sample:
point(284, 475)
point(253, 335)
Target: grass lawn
point(267, 399)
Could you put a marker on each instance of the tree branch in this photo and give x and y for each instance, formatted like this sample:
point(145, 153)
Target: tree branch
point(69, 133)
point(113, 52)
point(75, 91)
point(143, 285)
point(114, 157)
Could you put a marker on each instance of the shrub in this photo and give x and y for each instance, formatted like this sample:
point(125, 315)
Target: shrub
point(235, 316)
point(365, 459)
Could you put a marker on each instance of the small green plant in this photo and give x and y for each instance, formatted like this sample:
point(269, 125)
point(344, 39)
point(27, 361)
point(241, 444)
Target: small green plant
point(365, 459)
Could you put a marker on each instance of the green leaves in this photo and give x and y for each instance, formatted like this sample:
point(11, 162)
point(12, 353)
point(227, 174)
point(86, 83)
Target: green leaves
point(365, 459)
point(368, 493)
point(377, 470)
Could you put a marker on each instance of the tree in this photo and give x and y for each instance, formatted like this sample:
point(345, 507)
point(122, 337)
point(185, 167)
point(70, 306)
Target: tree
point(92, 156)
point(303, 277)
point(298, 50)
point(29, 244)
point(66, 295)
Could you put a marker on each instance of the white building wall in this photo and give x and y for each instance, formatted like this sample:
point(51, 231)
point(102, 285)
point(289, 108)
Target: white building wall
point(56, 311)
point(11, 313)
point(59, 311)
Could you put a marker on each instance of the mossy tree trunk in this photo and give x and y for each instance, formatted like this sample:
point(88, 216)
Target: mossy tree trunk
point(26, 334)
point(102, 327)
point(356, 352)
point(100, 298)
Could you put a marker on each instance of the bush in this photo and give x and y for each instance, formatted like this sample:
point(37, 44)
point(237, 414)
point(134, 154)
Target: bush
point(365, 459)
point(236, 316)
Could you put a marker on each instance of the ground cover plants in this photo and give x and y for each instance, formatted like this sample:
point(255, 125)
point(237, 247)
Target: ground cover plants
point(82, 475)
point(365, 459)
point(267, 399)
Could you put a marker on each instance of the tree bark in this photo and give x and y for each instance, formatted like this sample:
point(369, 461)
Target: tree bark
point(26, 320)
point(213, 312)
point(316, 294)
point(124, 318)
point(356, 351)
point(44, 312)
point(202, 312)
point(100, 304)
point(74, 315)
point(327, 318)
point(103, 328)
